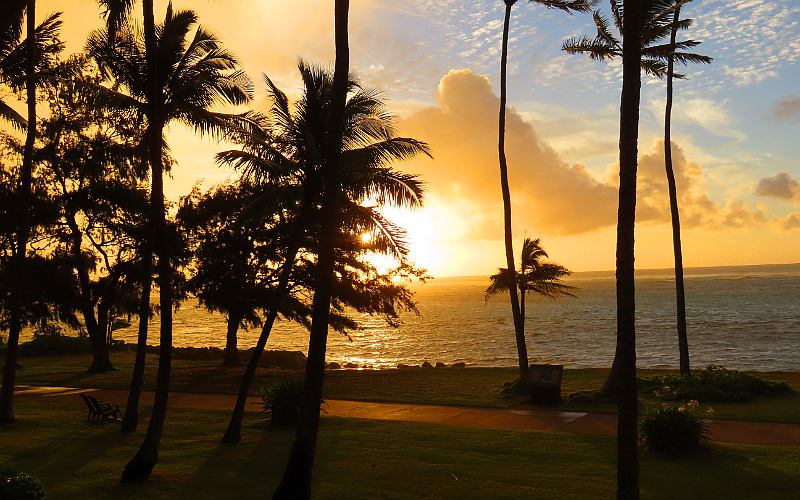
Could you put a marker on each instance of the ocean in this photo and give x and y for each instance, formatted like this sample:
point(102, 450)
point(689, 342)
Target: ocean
point(744, 317)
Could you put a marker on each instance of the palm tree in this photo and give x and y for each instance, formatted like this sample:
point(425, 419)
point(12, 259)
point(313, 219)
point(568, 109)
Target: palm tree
point(660, 19)
point(281, 153)
point(117, 13)
point(296, 481)
point(166, 76)
point(627, 402)
point(683, 341)
point(21, 65)
point(535, 276)
point(566, 6)
point(10, 32)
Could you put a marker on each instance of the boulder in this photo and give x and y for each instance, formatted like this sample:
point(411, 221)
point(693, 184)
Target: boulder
point(334, 365)
point(286, 360)
point(460, 364)
point(351, 365)
point(427, 365)
point(439, 364)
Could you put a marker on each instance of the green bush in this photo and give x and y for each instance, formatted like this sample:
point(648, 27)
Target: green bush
point(19, 486)
point(44, 345)
point(715, 384)
point(282, 401)
point(674, 428)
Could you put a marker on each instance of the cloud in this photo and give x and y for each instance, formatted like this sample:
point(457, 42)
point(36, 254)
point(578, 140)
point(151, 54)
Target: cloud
point(780, 186)
point(789, 222)
point(710, 114)
point(549, 195)
point(752, 39)
point(787, 108)
point(697, 209)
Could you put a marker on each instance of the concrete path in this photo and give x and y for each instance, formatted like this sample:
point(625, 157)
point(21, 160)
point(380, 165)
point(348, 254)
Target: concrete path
point(521, 417)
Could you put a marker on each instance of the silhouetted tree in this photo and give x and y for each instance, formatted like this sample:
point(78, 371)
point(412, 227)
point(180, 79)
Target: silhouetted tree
point(627, 428)
point(165, 76)
point(680, 292)
point(519, 329)
point(21, 66)
point(93, 170)
point(281, 153)
point(659, 21)
point(233, 253)
point(534, 276)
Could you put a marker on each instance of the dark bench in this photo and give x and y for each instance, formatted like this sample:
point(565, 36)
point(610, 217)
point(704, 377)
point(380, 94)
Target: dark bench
point(100, 411)
point(546, 384)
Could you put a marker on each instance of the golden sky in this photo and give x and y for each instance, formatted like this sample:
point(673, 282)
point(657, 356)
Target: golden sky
point(737, 197)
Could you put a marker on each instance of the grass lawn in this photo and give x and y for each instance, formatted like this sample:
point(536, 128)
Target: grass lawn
point(369, 459)
point(446, 386)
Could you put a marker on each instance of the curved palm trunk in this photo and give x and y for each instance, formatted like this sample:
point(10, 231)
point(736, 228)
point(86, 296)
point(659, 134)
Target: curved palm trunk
point(680, 293)
point(232, 357)
point(140, 466)
point(233, 433)
point(131, 419)
point(16, 300)
point(519, 330)
point(627, 404)
point(101, 362)
point(296, 481)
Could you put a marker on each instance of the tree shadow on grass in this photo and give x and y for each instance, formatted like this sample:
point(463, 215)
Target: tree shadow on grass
point(250, 468)
point(722, 471)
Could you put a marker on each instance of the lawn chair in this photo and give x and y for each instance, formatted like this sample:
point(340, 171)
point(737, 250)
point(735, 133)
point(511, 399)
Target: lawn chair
point(100, 411)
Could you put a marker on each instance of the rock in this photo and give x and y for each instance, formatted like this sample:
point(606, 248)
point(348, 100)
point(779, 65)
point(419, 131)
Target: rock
point(439, 364)
point(427, 365)
point(403, 366)
point(351, 365)
point(460, 364)
point(334, 365)
point(287, 360)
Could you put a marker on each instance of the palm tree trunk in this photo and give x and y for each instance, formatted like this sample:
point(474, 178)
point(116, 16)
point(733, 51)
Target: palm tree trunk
point(627, 404)
point(296, 481)
point(100, 358)
point(131, 419)
point(680, 293)
point(233, 433)
point(16, 301)
point(232, 357)
point(519, 331)
point(140, 466)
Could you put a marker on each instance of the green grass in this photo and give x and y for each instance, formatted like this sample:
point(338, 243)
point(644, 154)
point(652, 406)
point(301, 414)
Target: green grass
point(446, 386)
point(370, 459)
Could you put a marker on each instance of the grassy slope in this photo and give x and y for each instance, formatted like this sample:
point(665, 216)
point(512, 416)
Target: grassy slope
point(366, 459)
point(448, 386)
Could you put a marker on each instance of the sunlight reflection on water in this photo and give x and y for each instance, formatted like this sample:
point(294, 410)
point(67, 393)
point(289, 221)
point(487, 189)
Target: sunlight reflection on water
point(746, 318)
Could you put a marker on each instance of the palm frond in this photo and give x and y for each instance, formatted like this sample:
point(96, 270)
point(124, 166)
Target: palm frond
point(12, 116)
point(568, 6)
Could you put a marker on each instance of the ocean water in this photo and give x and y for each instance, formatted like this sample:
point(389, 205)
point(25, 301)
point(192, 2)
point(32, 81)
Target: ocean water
point(739, 317)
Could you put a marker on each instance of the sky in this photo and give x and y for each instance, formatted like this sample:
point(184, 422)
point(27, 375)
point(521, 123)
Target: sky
point(735, 134)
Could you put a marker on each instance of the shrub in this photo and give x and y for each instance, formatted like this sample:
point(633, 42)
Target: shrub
point(19, 486)
point(715, 384)
point(282, 401)
point(675, 428)
point(42, 345)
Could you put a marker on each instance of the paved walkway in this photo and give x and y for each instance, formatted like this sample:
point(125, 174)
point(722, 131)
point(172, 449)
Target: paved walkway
point(521, 417)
